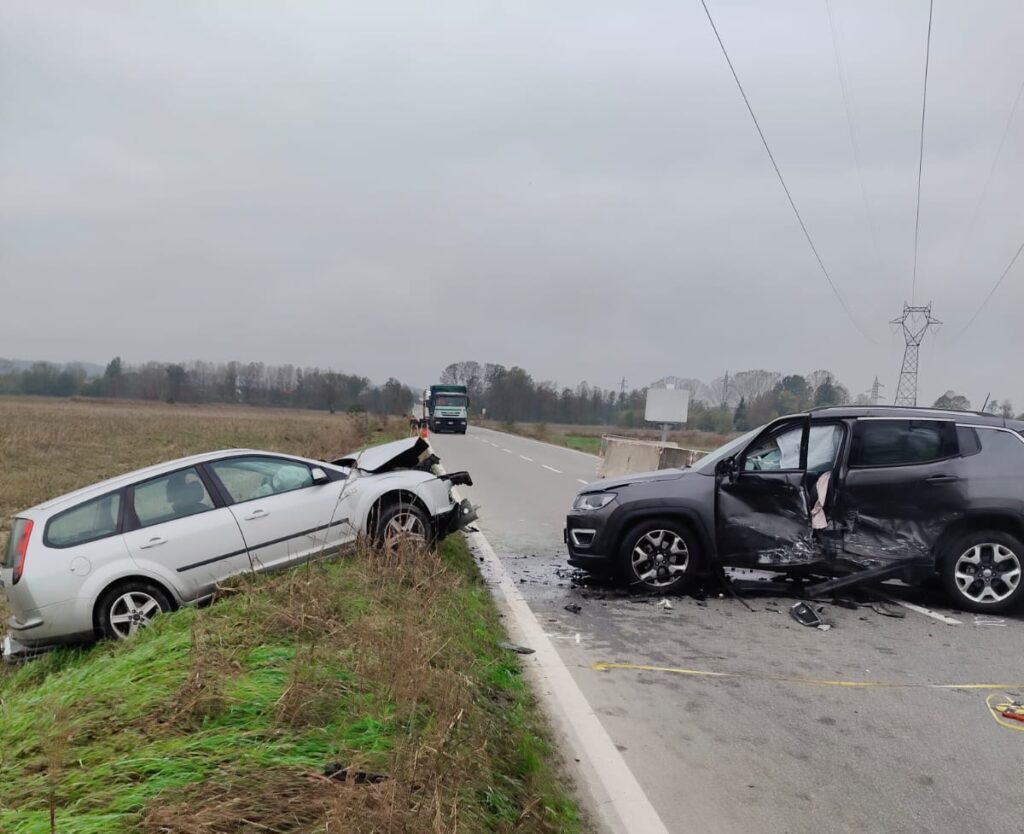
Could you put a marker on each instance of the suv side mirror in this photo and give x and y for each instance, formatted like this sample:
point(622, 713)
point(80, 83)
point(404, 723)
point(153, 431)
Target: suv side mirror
point(319, 476)
point(726, 467)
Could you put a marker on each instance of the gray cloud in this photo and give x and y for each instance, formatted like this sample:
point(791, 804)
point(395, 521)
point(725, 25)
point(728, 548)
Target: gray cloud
point(572, 187)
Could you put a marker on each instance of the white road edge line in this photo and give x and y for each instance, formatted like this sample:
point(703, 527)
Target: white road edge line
point(509, 451)
point(524, 457)
point(920, 609)
point(552, 469)
point(581, 481)
point(620, 801)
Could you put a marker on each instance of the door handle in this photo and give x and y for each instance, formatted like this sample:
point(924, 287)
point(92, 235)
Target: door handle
point(156, 541)
point(942, 479)
point(256, 515)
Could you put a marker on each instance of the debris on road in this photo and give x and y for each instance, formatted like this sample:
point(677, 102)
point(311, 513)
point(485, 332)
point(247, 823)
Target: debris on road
point(574, 608)
point(512, 647)
point(665, 605)
point(805, 615)
point(887, 611)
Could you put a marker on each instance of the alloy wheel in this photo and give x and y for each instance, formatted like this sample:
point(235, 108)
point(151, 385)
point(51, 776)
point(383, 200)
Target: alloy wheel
point(404, 528)
point(659, 557)
point(987, 572)
point(132, 611)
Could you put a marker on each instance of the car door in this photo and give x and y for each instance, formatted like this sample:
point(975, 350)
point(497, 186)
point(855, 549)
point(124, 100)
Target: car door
point(284, 513)
point(176, 528)
point(762, 514)
point(902, 487)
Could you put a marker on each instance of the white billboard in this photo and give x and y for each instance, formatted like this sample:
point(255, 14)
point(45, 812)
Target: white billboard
point(667, 405)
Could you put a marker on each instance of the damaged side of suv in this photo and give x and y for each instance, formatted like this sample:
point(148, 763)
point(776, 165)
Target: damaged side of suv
point(866, 493)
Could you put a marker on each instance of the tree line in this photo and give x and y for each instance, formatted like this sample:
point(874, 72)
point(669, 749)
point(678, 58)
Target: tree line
point(732, 402)
point(249, 383)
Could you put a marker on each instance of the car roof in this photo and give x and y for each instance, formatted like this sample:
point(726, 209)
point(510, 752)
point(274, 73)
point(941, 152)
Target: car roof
point(119, 481)
point(896, 412)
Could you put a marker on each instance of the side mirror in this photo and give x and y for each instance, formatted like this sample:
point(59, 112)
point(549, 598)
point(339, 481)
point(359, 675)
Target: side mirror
point(726, 467)
point(320, 477)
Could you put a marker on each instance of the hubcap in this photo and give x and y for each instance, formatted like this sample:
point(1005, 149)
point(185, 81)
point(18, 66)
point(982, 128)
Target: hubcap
point(659, 558)
point(132, 611)
point(404, 528)
point(987, 573)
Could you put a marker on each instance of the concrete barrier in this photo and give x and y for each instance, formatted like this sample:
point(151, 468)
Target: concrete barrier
point(627, 455)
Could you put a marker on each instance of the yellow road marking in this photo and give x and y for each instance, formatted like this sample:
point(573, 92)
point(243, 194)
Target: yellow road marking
point(703, 673)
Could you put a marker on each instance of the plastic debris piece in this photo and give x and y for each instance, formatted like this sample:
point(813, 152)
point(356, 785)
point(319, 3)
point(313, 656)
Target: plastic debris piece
point(665, 604)
point(805, 615)
point(574, 608)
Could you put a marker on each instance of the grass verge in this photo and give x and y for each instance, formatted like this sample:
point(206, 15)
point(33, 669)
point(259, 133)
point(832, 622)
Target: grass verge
point(222, 720)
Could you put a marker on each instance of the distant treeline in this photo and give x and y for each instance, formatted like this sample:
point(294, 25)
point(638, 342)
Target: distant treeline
point(250, 383)
point(732, 402)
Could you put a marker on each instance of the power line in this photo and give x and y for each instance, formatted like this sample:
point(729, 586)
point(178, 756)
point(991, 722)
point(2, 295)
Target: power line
point(778, 173)
point(920, 158)
point(854, 144)
point(992, 291)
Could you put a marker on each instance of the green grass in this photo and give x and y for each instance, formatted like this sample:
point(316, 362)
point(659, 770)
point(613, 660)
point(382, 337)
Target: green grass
point(582, 443)
point(352, 661)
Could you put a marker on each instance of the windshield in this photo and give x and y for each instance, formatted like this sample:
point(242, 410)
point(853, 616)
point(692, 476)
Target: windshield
point(451, 400)
point(707, 463)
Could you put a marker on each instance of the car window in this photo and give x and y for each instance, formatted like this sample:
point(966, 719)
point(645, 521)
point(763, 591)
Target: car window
point(778, 451)
point(87, 522)
point(902, 442)
point(253, 477)
point(177, 495)
point(707, 463)
point(823, 443)
point(970, 443)
point(1005, 446)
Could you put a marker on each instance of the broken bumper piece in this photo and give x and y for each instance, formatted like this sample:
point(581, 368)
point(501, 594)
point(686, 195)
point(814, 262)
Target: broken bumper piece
point(461, 514)
point(13, 651)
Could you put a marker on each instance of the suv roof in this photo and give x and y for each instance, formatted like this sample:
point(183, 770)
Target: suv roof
point(909, 412)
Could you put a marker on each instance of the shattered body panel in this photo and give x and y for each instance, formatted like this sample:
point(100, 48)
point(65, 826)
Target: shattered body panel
point(400, 454)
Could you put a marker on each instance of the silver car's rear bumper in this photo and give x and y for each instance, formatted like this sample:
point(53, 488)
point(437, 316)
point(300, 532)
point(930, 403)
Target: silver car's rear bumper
point(14, 651)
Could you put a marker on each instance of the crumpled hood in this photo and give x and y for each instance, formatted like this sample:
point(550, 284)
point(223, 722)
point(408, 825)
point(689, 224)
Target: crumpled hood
point(400, 454)
point(635, 478)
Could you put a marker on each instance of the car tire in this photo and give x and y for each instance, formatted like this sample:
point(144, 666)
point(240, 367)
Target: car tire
point(659, 556)
point(125, 608)
point(398, 521)
point(967, 559)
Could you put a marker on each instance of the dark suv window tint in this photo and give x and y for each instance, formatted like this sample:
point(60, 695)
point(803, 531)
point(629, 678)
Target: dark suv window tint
point(173, 496)
point(87, 522)
point(902, 442)
point(970, 443)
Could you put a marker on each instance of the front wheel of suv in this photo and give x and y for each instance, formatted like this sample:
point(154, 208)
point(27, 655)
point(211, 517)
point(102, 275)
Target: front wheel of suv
point(659, 556)
point(982, 571)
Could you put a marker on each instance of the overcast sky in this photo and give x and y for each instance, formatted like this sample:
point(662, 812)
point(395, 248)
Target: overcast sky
point(575, 188)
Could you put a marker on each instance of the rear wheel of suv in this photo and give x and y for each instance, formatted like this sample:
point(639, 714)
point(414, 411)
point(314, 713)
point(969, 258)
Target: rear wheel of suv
point(124, 609)
point(659, 556)
point(982, 571)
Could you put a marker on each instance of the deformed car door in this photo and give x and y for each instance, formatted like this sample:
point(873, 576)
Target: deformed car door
point(903, 487)
point(762, 512)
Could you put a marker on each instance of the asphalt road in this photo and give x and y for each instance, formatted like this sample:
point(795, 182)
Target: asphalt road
point(754, 752)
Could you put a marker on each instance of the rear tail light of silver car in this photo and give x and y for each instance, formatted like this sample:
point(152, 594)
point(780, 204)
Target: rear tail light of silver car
point(18, 547)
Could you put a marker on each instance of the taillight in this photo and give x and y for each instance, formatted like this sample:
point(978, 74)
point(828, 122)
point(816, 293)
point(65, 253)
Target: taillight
point(21, 548)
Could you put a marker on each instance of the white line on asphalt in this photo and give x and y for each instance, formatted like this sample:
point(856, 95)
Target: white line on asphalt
point(524, 457)
point(508, 450)
point(558, 471)
point(920, 609)
point(617, 795)
point(581, 481)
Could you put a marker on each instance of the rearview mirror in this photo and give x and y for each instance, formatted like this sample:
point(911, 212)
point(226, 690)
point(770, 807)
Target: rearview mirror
point(320, 477)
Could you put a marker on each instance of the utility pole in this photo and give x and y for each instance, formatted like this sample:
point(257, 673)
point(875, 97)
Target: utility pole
point(875, 396)
point(915, 323)
point(725, 390)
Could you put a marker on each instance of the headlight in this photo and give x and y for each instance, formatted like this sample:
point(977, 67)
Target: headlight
point(593, 501)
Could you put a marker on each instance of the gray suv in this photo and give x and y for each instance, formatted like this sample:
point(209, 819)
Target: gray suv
point(890, 492)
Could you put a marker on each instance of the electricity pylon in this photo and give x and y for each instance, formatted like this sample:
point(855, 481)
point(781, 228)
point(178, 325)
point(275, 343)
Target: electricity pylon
point(915, 323)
